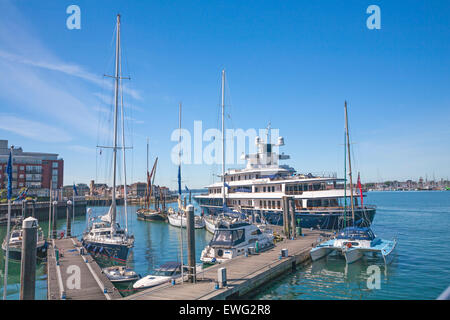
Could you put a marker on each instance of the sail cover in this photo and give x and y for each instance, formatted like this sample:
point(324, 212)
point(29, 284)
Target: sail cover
point(107, 217)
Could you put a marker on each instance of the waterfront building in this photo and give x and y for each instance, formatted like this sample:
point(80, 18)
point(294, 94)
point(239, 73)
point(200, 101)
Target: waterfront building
point(33, 170)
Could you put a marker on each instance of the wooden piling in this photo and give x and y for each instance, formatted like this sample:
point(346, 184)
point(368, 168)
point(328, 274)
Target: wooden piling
point(54, 219)
point(33, 209)
point(292, 218)
point(190, 227)
point(28, 262)
point(286, 225)
point(69, 219)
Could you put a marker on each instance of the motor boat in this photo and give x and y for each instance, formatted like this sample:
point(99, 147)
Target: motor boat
point(120, 274)
point(235, 238)
point(353, 243)
point(163, 274)
point(15, 244)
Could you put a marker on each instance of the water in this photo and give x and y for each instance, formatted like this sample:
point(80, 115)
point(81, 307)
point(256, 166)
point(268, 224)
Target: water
point(155, 244)
point(420, 269)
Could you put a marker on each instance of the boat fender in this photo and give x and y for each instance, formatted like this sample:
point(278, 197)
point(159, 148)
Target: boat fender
point(348, 245)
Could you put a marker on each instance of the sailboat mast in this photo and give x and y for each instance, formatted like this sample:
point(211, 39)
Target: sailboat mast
point(223, 139)
point(349, 164)
point(125, 197)
point(147, 198)
point(116, 101)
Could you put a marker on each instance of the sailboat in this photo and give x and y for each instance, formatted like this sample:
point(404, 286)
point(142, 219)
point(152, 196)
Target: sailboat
point(106, 237)
point(178, 218)
point(146, 213)
point(353, 242)
point(226, 214)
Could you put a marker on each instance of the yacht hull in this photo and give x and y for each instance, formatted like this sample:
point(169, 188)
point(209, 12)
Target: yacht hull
point(318, 253)
point(325, 220)
point(112, 251)
point(150, 215)
point(177, 221)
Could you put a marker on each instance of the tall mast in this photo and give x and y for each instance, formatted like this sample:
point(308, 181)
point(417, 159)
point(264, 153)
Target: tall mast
point(349, 164)
point(179, 153)
point(147, 198)
point(179, 196)
point(123, 158)
point(116, 102)
point(223, 138)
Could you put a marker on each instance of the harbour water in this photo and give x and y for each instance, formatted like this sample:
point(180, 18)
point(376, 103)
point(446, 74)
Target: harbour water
point(420, 269)
point(420, 220)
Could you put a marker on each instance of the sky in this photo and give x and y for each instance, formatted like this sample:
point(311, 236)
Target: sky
point(292, 63)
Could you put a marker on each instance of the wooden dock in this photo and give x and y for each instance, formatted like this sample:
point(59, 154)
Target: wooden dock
point(244, 274)
point(77, 277)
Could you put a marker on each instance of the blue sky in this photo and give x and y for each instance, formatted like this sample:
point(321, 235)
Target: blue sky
point(289, 62)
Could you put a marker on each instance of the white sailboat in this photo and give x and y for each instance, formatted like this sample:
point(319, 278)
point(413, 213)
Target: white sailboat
point(107, 237)
point(178, 218)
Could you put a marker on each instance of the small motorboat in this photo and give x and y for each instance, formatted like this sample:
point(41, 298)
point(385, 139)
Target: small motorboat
point(164, 274)
point(235, 238)
point(121, 274)
point(353, 243)
point(15, 244)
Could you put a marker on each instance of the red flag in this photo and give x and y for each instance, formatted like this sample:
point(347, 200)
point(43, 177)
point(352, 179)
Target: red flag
point(360, 191)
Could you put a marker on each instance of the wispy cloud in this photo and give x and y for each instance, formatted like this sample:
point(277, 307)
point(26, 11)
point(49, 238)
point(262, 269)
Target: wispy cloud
point(68, 69)
point(33, 129)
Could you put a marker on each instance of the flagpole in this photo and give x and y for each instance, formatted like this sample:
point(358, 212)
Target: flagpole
point(9, 170)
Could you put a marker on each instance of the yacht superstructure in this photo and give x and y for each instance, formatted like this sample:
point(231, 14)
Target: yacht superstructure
point(262, 184)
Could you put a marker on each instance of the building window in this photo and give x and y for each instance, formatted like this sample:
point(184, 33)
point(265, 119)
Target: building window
point(55, 172)
point(55, 165)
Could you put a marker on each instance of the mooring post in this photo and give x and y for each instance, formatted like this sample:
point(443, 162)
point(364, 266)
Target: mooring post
point(69, 219)
point(54, 218)
point(184, 202)
point(293, 220)
point(190, 196)
point(286, 216)
point(33, 208)
point(23, 208)
point(190, 227)
point(28, 263)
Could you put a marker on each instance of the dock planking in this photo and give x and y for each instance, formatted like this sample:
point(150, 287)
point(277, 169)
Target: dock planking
point(244, 274)
point(61, 278)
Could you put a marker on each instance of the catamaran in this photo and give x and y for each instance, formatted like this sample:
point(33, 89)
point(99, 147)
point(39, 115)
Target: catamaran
point(107, 237)
point(354, 242)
